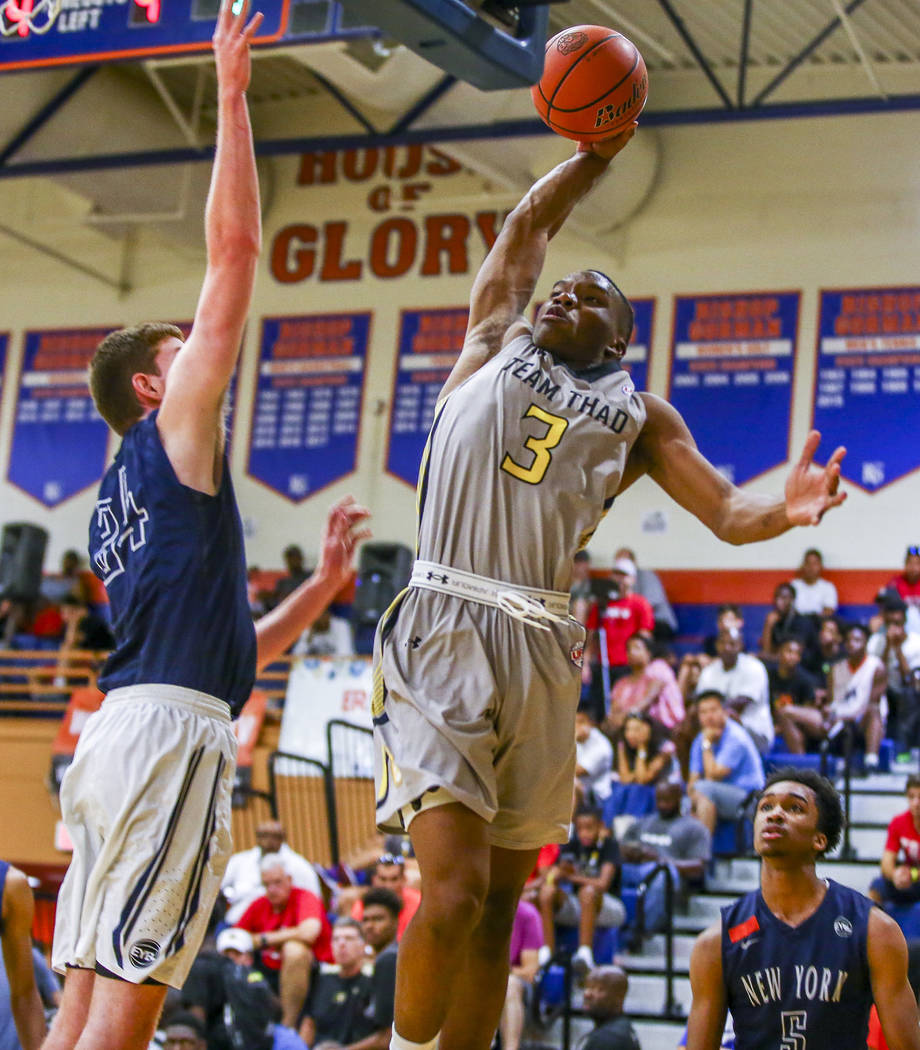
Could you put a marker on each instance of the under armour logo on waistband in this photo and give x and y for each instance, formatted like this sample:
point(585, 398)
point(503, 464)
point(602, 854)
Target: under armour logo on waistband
point(441, 577)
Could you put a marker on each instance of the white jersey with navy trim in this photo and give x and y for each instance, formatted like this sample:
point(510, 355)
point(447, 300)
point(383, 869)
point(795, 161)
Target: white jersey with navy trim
point(523, 460)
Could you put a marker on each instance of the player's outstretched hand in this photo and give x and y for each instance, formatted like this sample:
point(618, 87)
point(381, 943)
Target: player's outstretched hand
point(231, 40)
point(607, 149)
point(811, 490)
point(341, 535)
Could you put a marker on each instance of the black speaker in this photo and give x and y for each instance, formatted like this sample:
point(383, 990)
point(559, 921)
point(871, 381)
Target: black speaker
point(383, 570)
point(22, 553)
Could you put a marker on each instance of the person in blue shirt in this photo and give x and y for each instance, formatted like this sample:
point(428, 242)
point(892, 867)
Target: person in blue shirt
point(799, 961)
point(725, 765)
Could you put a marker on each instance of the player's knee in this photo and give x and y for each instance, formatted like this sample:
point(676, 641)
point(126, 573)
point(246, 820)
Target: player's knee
point(455, 905)
point(588, 894)
point(295, 953)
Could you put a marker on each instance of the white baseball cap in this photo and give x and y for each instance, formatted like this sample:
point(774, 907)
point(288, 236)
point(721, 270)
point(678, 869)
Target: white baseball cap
point(625, 566)
point(235, 939)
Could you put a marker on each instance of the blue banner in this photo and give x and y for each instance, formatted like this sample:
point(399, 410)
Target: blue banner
point(429, 344)
point(307, 407)
point(868, 381)
point(4, 343)
point(59, 439)
point(732, 363)
point(640, 344)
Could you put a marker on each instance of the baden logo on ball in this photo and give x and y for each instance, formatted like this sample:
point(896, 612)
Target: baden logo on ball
point(594, 83)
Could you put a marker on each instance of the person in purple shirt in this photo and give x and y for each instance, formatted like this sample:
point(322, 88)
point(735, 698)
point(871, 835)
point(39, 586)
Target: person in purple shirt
point(526, 941)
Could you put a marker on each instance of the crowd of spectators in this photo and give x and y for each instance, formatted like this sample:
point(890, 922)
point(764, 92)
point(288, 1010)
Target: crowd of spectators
point(670, 740)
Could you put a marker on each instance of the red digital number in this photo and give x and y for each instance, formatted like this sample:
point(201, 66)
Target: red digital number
point(18, 11)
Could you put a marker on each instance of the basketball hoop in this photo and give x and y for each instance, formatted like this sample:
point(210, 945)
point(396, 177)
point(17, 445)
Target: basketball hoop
point(23, 17)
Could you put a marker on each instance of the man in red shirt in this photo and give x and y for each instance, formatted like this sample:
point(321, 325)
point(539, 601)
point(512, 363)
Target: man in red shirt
point(624, 614)
point(290, 929)
point(390, 874)
point(899, 882)
point(907, 584)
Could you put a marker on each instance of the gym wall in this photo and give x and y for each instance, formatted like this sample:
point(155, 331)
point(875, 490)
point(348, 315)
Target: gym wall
point(746, 207)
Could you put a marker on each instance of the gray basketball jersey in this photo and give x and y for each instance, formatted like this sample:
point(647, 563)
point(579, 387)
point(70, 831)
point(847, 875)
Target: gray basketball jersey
point(522, 462)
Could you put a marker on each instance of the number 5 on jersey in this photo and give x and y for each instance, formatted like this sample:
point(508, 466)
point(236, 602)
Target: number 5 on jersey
point(540, 446)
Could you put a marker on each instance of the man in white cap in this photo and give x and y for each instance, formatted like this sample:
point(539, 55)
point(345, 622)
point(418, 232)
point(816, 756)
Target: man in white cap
point(610, 626)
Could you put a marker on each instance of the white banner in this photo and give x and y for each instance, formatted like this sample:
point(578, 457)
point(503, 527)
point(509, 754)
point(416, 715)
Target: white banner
point(320, 690)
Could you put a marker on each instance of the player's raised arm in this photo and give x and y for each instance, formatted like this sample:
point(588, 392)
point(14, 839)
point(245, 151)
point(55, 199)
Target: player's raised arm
point(894, 998)
point(667, 452)
point(280, 628)
point(508, 276)
point(708, 1008)
point(191, 406)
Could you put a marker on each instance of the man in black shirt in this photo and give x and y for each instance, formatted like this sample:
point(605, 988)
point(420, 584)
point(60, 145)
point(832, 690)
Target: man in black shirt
point(341, 1011)
point(605, 990)
point(578, 890)
point(792, 690)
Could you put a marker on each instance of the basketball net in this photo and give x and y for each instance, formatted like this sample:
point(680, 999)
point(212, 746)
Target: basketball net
point(23, 17)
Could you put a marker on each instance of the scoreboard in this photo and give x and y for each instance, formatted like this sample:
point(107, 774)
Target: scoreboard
point(42, 33)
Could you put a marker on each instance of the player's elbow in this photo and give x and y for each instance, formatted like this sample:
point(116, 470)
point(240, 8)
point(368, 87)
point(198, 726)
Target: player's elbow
point(240, 248)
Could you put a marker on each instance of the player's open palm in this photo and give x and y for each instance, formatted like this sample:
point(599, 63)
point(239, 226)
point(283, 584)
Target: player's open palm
point(811, 490)
point(341, 536)
point(232, 37)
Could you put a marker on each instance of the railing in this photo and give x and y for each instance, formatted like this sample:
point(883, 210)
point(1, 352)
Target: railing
point(304, 802)
point(350, 754)
point(846, 732)
point(39, 682)
point(671, 1008)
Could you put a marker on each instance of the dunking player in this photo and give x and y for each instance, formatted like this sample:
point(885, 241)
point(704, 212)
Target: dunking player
point(147, 799)
point(478, 670)
point(799, 961)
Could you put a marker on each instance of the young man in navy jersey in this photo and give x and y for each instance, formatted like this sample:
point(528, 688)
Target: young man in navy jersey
point(800, 961)
point(147, 798)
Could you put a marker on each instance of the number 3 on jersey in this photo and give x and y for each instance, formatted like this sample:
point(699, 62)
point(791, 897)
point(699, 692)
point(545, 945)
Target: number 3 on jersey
point(540, 446)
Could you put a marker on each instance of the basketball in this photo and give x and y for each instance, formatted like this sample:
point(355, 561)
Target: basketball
point(594, 84)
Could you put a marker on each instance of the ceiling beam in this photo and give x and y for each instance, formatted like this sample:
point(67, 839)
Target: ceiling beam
point(698, 55)
point(811, 46)
point(743, 57)
point(46, 112)
point(466, 133)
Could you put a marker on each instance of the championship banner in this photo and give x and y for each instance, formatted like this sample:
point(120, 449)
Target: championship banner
point(640, 344)
point(320, 690)
point(868, 379)
point(429, 345)
point(59, 440)
point(307, 406)
point(732, 363)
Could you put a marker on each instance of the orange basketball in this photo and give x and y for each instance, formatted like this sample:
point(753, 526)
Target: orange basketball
point(594, 83)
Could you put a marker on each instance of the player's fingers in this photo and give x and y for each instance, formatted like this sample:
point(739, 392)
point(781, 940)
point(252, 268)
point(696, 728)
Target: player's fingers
point(838, 455)
point(240, 9)
point(359, 537)
point(252, 28)
point(810, 448)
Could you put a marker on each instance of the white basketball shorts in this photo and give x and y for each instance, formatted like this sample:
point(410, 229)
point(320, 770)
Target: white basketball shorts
point(147, 805)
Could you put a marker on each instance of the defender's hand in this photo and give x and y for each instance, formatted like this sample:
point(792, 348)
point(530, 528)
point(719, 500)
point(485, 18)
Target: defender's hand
point(231, 40)
point(341, 536)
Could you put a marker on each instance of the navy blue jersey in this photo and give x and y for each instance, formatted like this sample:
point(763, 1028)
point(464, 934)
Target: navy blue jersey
point(173, 564)
point(798, 988)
